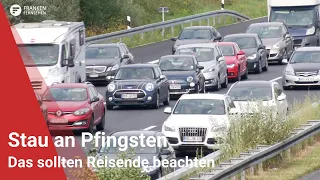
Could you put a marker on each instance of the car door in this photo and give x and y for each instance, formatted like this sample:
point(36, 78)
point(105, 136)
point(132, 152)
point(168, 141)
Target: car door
point(131, 58)
point(94, 105)
point(101, 98)
point(222, 65)
point(159, 82)
point(288, 40)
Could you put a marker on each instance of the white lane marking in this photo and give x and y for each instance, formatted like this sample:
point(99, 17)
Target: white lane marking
point(275, 79)
point(153, 62)
point(148, 128)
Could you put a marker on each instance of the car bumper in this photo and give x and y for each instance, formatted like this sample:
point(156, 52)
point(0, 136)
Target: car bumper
point(232, 72)
point(176, 89)
point(289, 80)
point(100, 76)
point(144, 98)
point(253, 65)
point(275, 54)
point(210, 79)
point(74, 122)
point(301, 41)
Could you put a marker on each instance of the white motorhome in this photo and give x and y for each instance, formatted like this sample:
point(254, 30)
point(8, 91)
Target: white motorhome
point(301, 17)
point(52, 52)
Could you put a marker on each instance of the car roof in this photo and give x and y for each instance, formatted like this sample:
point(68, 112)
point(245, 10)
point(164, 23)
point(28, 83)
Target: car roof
point(253, 83)
point(227, 43)
point(308, 49)
point(203, 96)
point(267, 24)
point(208, 45)
point(242, 35)
point(139, 66)
point(178, 56)
point(70, 85)
point(199, 27)
point(105, 45)
point(135, 133)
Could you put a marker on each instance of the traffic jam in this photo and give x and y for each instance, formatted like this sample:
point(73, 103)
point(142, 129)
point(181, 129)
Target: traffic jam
point(201, 64)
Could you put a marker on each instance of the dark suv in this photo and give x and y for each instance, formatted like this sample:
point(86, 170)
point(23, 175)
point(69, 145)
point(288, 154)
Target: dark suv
point(103, 60)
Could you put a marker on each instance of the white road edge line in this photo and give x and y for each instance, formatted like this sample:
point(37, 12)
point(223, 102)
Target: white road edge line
point(148, 128)
point(153, 62)
point(275, 79)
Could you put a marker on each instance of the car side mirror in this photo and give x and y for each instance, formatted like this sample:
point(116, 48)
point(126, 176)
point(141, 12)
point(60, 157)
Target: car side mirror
point(241, 52)
point(174, 39)
point(218, 38)
point(221, 59)
point(200, 67)
point(162, 77)
point(287, 36)
point(95, 99)
point(165, 152)
point(167, 110)
point(125, 56)
point(68, 62)
point(282, 97)
point(110, 77)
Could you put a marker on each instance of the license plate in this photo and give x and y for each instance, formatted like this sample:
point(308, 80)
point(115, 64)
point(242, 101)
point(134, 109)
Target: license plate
point(306, 79)
point(192, 138)
point(175, 87)
point(129, 96)
point(58, 121)
point(94, 75)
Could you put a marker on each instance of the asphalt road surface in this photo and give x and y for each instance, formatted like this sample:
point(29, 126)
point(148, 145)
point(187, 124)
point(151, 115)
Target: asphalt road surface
point(137, 118)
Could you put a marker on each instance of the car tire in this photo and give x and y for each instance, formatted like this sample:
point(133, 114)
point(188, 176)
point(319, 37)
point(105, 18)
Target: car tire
point(286, 87)
point(167, 101)
point(159, 173)
point(265, 68)
point(109, 107)
point(100, 126)
point(259, 69)
point(245, 76)
point(156, 105)
point(198, 88)
point(91, 126)
point(226, 81)
point(218, 86)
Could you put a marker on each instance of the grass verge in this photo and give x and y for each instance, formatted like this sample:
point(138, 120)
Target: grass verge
point(251, 8)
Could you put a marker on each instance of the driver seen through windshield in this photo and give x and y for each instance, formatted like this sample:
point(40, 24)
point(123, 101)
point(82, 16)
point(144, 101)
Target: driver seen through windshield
point(135, 73)
point(204, 106)
point(176, 64)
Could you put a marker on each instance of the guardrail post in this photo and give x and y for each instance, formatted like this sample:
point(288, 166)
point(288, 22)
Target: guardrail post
point(181, 26)
point(243, 175)
point(208, 22)
point(219, 19)
point(260, 169)
point(190, 23)
point(142, 36)
point(172, 31)
point(162, 32)
point(200, 22)
point(225, 20)
point(214, 21)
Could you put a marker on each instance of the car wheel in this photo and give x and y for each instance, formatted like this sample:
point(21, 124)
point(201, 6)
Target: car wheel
point(91, 126)
point(167, 101)
point(245, 76)
point(109, 107)
point(218, 86)
point(225, 84)
point(259, 68)
point(157, 103)
point(159, 174)
point(265, 68)
point(100, 126)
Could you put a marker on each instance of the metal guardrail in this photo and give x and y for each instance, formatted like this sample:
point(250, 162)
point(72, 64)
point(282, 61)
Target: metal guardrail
point(167, 24)
point(253, 157)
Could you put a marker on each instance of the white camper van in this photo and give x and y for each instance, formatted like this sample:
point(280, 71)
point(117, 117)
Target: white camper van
point(302, 17)
point(55, 50)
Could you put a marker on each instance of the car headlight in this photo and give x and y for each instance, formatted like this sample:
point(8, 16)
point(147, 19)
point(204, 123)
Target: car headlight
point(253, 56)
point(115, 67)
point(147, 169)
point(192, 84)
point(209, 69)
point(111, 87)
point(230, 65)
point(169, 128)
point(149, 87)
point(190, 79)
point(54, 71)
point(311, 30)
point(82, 111)
point(291, 73)
point(277, 45)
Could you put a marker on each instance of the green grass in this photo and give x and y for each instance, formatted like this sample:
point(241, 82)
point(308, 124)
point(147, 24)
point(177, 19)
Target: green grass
point(251, 8)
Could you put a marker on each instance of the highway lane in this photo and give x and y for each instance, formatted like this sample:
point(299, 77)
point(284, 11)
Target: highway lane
point(136, 118)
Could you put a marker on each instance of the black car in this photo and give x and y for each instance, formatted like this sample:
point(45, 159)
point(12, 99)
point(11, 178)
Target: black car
point(184, 74)
point(138, 84)
point(255, 50)
point(103, 60)
point(142, 152)
point(195, 35)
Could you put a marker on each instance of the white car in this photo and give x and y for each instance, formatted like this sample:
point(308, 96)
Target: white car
point(198, 120)
point(251, 97)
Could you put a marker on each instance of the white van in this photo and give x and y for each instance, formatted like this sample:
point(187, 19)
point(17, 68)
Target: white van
point(52, 52)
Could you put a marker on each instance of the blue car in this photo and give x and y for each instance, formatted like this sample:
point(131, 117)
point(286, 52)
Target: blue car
point(138, 84)
point(184, 74)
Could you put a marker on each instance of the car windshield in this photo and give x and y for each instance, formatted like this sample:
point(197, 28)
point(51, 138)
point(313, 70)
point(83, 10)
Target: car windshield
point(114, 147)
point(134, 73)
point(227, 50)
point(266, 32)
point(65, 94)
point(243, 42)
point(39, 54)
point(293, 16)
point(305, 57)
point(253, 93)
point(204, 106)
point(195, 34)
point(102, 52)
point(177, 64)
point(202, 54)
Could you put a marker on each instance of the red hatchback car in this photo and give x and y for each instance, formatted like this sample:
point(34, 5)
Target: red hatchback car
point(236, 60)
point(74, 106)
